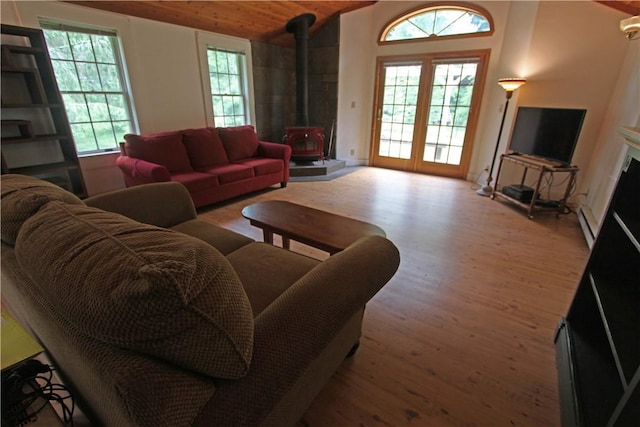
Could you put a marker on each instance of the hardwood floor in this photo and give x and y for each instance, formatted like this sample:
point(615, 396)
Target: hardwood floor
point(463, 333)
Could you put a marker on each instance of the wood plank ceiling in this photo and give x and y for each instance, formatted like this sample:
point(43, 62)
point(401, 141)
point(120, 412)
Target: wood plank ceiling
point(627, 6)
point(254, 20)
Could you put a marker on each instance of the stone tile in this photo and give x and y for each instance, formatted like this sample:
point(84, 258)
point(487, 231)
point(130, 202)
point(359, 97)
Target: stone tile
point(329, 35)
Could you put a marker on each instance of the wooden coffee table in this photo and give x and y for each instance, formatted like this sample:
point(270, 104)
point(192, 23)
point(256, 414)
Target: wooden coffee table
point(323, 230)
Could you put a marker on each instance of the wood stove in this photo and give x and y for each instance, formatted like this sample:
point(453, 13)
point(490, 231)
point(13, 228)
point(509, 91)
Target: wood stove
point(307, 143)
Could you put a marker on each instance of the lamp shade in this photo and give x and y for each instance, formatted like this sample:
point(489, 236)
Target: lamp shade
point(511, 84)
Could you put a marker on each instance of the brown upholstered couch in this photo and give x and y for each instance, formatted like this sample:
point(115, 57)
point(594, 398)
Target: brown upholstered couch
point(157, 318)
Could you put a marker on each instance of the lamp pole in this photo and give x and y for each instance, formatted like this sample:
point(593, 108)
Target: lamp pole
point(509, 85)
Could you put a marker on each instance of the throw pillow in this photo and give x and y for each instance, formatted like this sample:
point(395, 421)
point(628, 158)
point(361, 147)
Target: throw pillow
point(164, 149)
point(144, 288)
point(204, 147)
point(23, 196)
point(239, 142)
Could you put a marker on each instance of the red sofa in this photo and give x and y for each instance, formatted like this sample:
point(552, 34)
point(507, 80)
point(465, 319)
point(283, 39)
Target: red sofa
point(214, 164)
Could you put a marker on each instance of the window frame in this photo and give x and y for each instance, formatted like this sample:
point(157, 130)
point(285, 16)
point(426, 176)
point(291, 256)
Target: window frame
point(233, 44)
point(242, 76)
point(125, 90)
point(432, 7)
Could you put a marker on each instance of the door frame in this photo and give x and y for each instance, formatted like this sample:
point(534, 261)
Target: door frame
point(415, 164)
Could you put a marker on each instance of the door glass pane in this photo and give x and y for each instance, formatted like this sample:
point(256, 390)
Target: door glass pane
point(449, 111)
point(399, 110)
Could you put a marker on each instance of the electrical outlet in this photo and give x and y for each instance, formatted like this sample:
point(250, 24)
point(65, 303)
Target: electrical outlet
point(352, 152)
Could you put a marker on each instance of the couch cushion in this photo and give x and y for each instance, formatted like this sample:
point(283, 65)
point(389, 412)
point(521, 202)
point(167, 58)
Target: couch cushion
point(239, 142)
point(224, 240)
point(23, 196)
point(140, 287)
point(165, 148)
point(204, 147)
point(267, 271)
point(262, 166)
point(231, 172)
point(196, 181)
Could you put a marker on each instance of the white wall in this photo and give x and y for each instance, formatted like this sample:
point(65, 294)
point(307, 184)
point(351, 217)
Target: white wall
point(356, 69)
point(574, 60)
point(9, 13)
point(163, 62)
point(610, 150)
point(510, 61)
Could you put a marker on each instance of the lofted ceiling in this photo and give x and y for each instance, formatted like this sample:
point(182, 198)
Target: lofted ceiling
point(254, 20)
point(261, 20)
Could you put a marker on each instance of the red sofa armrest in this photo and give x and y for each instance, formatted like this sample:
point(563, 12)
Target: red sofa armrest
point(138, 171)
point(274, 151)
point(277, 151)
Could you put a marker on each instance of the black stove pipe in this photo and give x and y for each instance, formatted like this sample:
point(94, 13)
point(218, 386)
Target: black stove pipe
point(299, 26)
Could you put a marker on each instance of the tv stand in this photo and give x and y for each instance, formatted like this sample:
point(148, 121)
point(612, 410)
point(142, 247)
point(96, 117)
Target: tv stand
point(543, 167)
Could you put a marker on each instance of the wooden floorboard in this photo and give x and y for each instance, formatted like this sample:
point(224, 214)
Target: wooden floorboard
point(463, 333)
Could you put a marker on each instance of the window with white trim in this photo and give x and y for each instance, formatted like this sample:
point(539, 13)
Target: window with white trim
point(439, 21)
point(88, 67)
point(227, 83)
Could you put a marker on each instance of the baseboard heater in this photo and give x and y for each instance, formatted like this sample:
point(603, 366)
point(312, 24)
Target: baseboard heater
point(587, 229)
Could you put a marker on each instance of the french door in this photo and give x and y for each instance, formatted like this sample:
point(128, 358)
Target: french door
point(426, 112)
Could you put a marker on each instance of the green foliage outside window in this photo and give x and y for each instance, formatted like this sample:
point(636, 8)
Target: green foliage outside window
point(438, 22)
point(400, 101)
point(89, 76)
point(449, 109)
point(227, 90)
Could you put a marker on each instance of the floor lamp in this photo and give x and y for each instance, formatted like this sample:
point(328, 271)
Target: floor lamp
point(509, 85)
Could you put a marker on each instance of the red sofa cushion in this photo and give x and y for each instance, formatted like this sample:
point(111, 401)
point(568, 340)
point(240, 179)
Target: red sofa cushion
point(263, 166)
point(231, 172)
point(196, 181)
point(204, 147)
point(239, 142)
point(163, 148)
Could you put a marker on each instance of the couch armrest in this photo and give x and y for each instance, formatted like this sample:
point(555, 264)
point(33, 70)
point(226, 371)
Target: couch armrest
point(274, 150)
point(297, 327)
point(163, 204)
point(277, 151)
point(138, 171)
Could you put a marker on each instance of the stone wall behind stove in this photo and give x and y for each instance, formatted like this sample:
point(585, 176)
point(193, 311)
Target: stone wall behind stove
point(274, 81)
point(324, 55)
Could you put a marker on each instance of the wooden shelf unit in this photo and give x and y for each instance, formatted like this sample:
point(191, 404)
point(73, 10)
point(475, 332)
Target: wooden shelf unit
point(36, 135)
point(598, 343)
point(542, 167)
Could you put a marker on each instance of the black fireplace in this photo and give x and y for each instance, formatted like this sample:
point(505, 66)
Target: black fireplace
point(306, 142)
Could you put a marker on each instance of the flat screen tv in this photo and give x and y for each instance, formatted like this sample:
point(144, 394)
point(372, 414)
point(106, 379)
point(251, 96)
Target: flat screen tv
point(551, 133)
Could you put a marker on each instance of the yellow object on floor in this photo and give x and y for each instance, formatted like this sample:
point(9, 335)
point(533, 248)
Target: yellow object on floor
point(17, 345)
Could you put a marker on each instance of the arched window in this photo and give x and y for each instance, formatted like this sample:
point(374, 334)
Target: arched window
point(433, 22)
